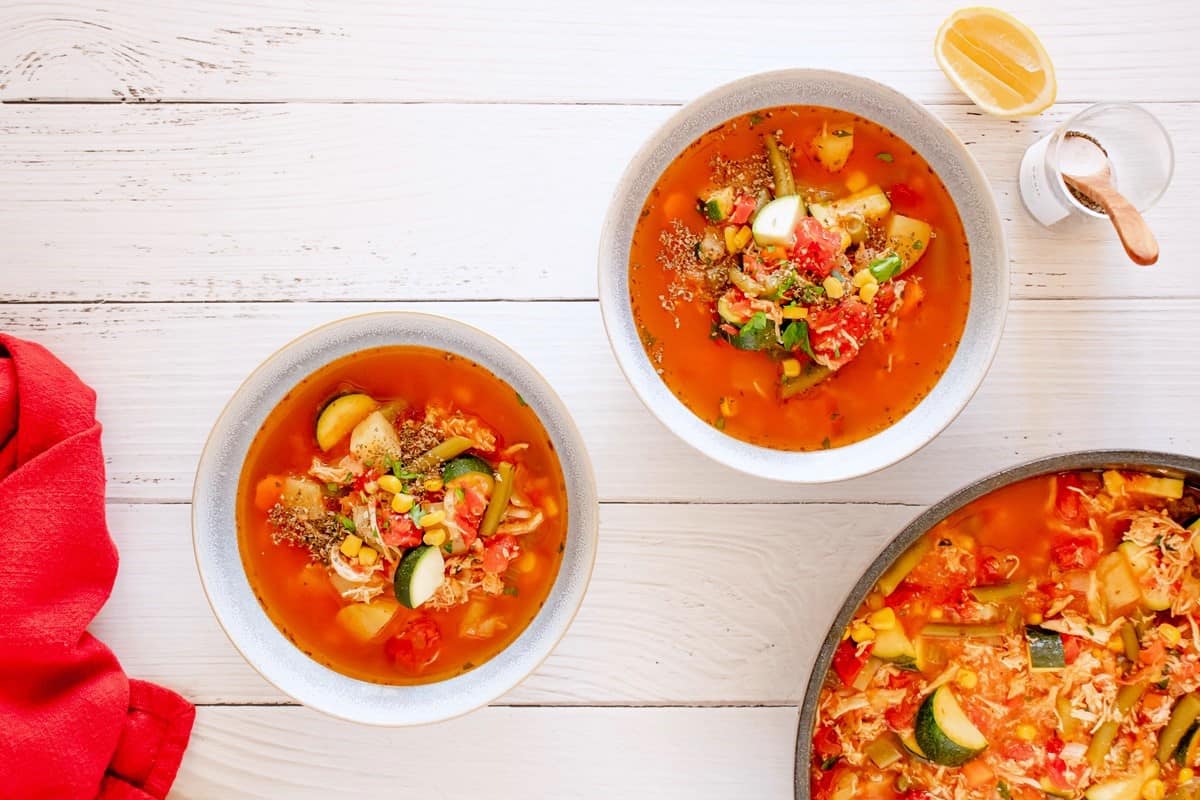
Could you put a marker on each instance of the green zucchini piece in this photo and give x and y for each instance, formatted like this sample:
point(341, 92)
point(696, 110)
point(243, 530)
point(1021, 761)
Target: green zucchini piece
point(465, 465)
point(726, 312)
point(909, 742)
point(781, 170)
point(944, 732)
point(757, 334)
point(895, 647)
point(1183, 716)
point(776, 222)
point(1189, 747)
point(718, 205)
point(419, 575)
point(810, 375)
point(903, 565)
point(340, 415)
point(1045, 647)
point(499, 502)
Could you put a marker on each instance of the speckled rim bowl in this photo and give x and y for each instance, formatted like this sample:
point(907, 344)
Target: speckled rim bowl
point(1142, 460)
point(981, 220)
point(214, 526)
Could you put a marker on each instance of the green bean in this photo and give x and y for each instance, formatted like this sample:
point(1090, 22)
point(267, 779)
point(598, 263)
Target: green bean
point(1129, 639)
point(946, 630)
point(500, 497)
point(455, 445)
point(903, 565)
point(781, 170)
point(1182, 716)
point(1102, 741)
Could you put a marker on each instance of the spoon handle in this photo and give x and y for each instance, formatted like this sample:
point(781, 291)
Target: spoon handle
point(1135, 234)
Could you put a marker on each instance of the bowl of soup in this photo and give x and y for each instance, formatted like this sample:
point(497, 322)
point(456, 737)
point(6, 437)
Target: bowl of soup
point(803, 275)
point(395, 519)
point(1033, 635)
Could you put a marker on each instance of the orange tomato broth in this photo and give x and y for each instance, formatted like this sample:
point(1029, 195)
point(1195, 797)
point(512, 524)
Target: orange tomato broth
point(864, 397)
point(296, 592)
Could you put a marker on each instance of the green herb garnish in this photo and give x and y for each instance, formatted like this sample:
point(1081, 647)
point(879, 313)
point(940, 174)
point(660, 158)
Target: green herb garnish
point(346, 522)
point(885, 157)
point(885, 268)
point(796, 335)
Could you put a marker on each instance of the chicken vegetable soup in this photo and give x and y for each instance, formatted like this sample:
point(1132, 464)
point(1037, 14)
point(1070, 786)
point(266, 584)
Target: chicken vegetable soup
point(402, 515)
point(799, 278)
point(1041, 641)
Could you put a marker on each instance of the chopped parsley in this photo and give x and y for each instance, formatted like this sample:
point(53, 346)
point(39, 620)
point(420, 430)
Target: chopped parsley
point(918, 245)
point(885, 157)
point(520, 399)
point(511, 591)
point(830, 763)
point(346, 522)
point(812, 293)
point(756, 119)
point(826, 444)
point(1002, 790)
point(841, 134)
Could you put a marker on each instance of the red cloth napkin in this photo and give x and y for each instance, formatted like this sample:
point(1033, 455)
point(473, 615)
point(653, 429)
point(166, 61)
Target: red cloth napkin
point(72, 725)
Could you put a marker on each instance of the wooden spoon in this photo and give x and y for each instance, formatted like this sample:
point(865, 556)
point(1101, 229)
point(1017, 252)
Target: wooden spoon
point(1136, 236)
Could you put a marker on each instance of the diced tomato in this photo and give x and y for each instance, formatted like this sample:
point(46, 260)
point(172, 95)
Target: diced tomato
point(902, 594)
point(468, 513)
point(848, 662)
point(901, 194)
point(828, 327)
point(1054, 745)
point(1018, 751)
point(977, 773)
point(1067, 503)
point(1074, 552)
point(1154, 653)
point(401, 532)
point(499, 552)
point(825, 742)
point(989, 570)
point(901, 715)
point(743, 207)
point(917, 794)
point(1072, 647)
point(367, 476)
point(816, 247)
point(417, 646)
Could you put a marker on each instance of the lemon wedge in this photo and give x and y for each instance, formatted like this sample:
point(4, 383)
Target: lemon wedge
point(997, 61)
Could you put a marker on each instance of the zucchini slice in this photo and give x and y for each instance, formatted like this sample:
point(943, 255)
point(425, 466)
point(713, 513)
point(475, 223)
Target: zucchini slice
point(1183, 717)
point(465, 465)
point(1128, 788)
point(726, 312)
point(1045, 649)
point(776, 222)
point(909, 742)
point(1188, 751)
point(717, 205)
point(339, 417)
point(944, 732)
point(894, 646)
point(419, 575)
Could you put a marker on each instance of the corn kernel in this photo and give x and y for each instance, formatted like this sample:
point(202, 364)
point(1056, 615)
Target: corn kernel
point(527, 562)
point(432, 519)
point(882, 620)
point(367, 556)
point(795, 312)
point(862, 278)
point(351, 545)
point(728, 407)
point(1154, 789)
point(1186, 774)
point(743, 237)
point(833, 288)
point(967, 679)
point(391, 484)
point(433, 485)
point(550, 507)
point(1034, 618)
point(1170, 634)
point(874, 601)
point(791, 368)
point(1026, 733)
point(731, 239)
point(862, 632)
point(868, 292)
point(937, 613)
point(403, 503)
point(857, 181)
point(435, 537)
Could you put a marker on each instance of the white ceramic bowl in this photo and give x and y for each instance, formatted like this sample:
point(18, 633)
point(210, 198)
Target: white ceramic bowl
point(214, 527)
point(981, 220)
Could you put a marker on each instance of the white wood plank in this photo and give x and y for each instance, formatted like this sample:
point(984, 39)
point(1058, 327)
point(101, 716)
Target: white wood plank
point(387, 202)
point(689, 604)
point(502, 753)
point(1069, 375)
point(620, 51)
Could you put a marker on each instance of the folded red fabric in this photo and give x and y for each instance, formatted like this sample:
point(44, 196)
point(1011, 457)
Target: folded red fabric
point(72, 725)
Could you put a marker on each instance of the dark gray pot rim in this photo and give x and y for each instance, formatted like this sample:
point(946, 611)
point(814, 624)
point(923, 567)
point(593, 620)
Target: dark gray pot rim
point(1164, 463)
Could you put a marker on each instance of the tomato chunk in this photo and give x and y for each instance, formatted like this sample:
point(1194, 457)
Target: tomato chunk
point(417, 646)
point(848, 662)
point(499, 552)
point(1075, 552)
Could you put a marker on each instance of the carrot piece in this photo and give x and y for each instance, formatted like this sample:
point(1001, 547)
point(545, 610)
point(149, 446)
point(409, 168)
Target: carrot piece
point(977, 773)
point(267, 492)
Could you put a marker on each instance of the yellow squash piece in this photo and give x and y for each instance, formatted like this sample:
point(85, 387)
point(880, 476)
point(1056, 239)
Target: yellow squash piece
point(340, 416)
point(997, 61)
point(908, 238)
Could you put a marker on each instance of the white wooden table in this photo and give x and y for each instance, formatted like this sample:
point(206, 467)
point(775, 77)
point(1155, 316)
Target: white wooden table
point(186, 186)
